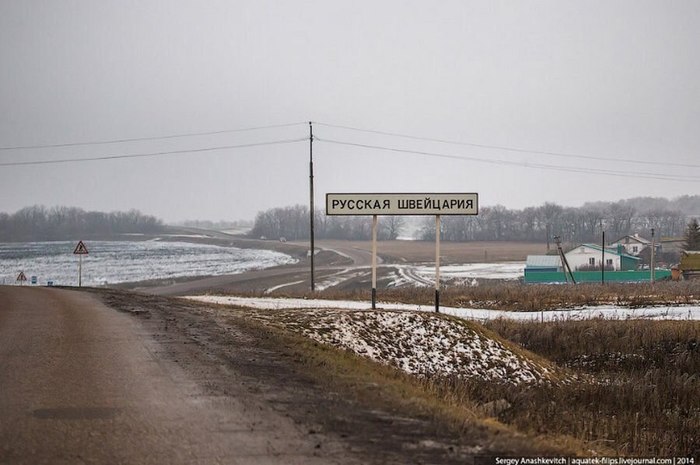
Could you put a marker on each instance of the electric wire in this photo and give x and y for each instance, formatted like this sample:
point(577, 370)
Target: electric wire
point(151, 154)
point(625, 174)
point(509, 149)
point(149, 138)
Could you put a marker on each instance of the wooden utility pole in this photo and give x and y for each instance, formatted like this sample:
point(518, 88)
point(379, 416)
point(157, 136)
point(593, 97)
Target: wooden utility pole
point(651, 265)
point(311, 202)
point(602, 261)
point(564, 261)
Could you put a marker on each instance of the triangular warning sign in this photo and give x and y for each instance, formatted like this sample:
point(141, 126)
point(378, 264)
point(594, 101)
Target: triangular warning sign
point(80, 249)
point(21, 276)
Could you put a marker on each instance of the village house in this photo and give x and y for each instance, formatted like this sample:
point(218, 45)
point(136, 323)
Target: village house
point(633, 244)
point(587, 257)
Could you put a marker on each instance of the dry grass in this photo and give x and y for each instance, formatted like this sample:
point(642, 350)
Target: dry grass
point(639, 390)
point(387, 388)
point(450, 252)
point(519, 297)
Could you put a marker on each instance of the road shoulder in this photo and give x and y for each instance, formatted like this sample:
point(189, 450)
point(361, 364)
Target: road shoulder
point(382, 422)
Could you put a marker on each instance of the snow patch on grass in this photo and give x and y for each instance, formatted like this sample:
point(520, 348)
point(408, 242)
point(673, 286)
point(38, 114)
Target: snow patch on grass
point(421, 344)
point(609, 312)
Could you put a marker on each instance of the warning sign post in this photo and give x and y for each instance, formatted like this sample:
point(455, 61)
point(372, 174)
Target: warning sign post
point(21, 278)
point(80, 250)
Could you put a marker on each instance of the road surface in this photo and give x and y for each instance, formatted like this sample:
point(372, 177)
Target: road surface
point(288, 277)
point(112, 377)
point(82, 383)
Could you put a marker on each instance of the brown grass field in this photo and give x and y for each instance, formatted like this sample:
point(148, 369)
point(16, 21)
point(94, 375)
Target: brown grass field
point(450, 252)
point(637, 388)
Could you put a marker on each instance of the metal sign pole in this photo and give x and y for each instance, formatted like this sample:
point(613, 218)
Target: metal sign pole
point(437, 263)
point(374, 262)
point(80, 250)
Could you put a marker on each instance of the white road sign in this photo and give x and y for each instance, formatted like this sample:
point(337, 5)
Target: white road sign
point(402, 204)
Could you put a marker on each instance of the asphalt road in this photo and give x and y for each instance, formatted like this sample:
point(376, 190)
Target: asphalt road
point(261, 280)
point(83, 383)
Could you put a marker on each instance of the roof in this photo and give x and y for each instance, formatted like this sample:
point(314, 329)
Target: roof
point(607, 251)
point(543, 261)
point(690, 262)
point(634, 238)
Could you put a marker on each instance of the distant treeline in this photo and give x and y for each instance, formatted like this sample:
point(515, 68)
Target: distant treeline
point(572, 224)
point(669, 218)
point(215, 225)
point(39, 223)
point(292, 223)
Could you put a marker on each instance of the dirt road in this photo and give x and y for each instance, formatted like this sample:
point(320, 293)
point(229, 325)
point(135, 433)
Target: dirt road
point(83, 383)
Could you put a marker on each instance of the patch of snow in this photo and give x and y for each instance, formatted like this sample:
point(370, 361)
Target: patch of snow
point(338, 278)
point(280, 286)
point(425, 275)
point(416, 343)
point(611, 312)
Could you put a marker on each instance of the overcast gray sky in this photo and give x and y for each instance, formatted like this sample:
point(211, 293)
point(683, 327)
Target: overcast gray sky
point(603, 80)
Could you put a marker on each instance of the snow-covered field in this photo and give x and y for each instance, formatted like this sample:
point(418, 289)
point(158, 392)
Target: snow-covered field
point(110, 262)
point(468, 273)
point(606, 311)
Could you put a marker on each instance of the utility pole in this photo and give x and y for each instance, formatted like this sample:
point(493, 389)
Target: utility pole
point(651, 266)
point(602, 258)
point(564, 261)
point(311, 201)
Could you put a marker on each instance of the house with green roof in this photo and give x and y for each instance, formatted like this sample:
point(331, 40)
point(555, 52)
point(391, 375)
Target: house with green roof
point(585, 262)
point(589, 257)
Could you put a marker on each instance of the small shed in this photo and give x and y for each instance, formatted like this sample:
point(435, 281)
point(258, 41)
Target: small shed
point(690, 264)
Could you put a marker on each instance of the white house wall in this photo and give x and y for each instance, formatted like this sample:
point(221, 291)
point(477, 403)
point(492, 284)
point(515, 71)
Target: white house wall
point(580, 257)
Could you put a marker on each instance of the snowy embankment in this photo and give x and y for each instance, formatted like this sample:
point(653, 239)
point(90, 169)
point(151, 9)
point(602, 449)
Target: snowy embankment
point(418, 342)
point(691, 312)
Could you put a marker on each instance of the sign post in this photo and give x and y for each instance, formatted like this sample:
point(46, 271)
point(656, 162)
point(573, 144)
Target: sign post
point(374, 262)
point(21, 278)
point(403, 204)
point(80, 250)
point(437, 263)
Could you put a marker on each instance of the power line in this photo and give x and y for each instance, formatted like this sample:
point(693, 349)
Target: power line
point(151, 154)
point(510, 149)
point(624, 174)
point(141, 139)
